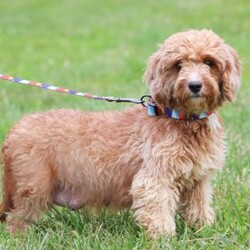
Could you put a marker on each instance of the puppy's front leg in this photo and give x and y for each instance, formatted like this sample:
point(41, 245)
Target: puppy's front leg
point(154, 203)
point(195, 203)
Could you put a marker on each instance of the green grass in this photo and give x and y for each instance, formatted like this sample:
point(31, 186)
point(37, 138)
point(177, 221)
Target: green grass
point(102, 47)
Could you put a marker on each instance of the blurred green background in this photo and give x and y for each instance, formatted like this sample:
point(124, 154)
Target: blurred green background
point(102, 47)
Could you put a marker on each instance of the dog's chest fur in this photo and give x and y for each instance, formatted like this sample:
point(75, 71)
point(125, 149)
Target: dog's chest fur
point(189, 151)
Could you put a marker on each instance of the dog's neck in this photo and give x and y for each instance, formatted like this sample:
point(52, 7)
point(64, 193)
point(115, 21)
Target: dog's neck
point(155, 110)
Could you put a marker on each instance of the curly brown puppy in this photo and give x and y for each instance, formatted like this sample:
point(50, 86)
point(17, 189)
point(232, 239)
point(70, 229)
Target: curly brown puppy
point(158, 162)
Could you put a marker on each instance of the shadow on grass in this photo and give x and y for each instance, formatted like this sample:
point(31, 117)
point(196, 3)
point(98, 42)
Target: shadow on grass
point(90, 222)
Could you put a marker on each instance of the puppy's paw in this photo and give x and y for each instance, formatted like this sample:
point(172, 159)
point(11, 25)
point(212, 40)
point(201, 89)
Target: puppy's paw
point(157, 232)
point(16, 225)
point(204, 217)
point(208, 217)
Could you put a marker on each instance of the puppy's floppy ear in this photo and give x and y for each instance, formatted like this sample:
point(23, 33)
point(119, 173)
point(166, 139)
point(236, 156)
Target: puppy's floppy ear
point(153, 77)
point(150, 72)
point(231, 76)
point(156, 80)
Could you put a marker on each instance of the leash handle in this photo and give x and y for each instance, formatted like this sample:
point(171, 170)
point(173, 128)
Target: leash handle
point(47, 86)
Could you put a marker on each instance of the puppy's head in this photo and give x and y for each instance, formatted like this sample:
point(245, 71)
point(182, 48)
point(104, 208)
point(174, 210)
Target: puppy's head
point(193, 71)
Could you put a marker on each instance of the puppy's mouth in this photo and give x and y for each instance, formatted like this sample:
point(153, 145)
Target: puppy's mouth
point(196, 96)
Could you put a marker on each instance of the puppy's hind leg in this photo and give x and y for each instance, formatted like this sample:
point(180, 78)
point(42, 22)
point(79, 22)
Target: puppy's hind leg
point(34, 186)
point(8, 191)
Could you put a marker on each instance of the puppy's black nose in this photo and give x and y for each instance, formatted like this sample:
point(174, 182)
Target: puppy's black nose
point(195, 86)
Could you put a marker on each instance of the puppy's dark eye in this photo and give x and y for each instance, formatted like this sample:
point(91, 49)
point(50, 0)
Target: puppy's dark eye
point(178, 66)
point(209, 63)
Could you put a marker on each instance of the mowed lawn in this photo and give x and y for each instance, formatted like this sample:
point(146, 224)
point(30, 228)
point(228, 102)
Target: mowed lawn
point(102, 47)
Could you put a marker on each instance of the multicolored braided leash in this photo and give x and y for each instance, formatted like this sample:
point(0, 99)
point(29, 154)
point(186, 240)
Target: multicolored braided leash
point(69, 91)
point(152, 108)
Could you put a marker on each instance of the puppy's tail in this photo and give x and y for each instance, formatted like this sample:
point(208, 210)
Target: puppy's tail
point(7, 203)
